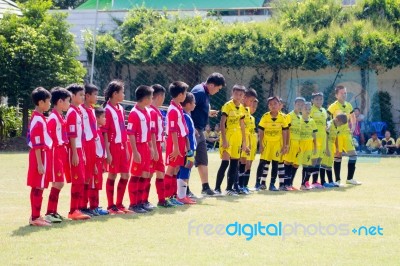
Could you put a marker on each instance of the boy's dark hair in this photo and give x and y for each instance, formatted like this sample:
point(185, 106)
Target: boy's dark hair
point(59, 93)
point(250, 93)
point(90, 88)
point(374, 133)
point(75, 88)
point(40, 94)
point(143, 91)
point(238, 87)
point(113, 86)
point(315, 94)
point(217, 79)
point(158, 89)
point(342, 118)
point(98, 111)
point(338, 88)
point(177, 87)
point(189, 99)
point(357, 109)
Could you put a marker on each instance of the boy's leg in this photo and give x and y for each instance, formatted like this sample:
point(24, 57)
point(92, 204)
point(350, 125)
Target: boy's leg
point(264, 175)
point(110, 183)
point(274, 174)
point(36, 202)
point(232, 173)
point(123, 181)
point(221, 174)
point(281, 174)
point(53, 198)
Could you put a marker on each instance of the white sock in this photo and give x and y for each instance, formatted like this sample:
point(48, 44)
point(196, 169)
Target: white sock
point(182, 188)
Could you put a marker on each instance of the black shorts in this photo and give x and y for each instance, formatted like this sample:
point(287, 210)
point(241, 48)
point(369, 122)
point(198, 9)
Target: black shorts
point(201, 157)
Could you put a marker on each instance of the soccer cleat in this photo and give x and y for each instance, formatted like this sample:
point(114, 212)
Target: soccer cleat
point(207, 192)
point(125, 210)
point(78, 215)
point(217, 192)
point(283, 188)
point(147, 206)
point(39, 222)
point(294, 188)
point(263, 187)
point(317, 185)
point(308, 186)
point(328, 185)
point(52, 218)
point(337, 184)
point(353, 182)
point(176, 202)
point(101, 212)
point(170, 202)
point(87, 212)
point(303, 187)
point(59, 216)
point(231, 193)
point(186, 200)
point(289, 188)
point(191, 195)
point(137, 209)
point(165, 204)
point(272, 188)
point(114, 210)
point(244, 191)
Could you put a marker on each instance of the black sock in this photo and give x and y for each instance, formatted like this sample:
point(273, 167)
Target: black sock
point(205, 186)
point(259, 173)
point(232, 173)
point(246, 178)
point(307, 172)
point(329, 175)
point(351, 167)
point(315, 171)
point(337, 165)
point(274, 172)
point(322, 174)
point(221, 174)
point(303, 176)
point(293, 174)
point(242, 168)
point(288, 174)
point(281, 174)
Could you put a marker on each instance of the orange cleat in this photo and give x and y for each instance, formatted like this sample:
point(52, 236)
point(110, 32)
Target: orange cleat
point(114, 211)
point(39, 222)
point(186, 200)
point(125, 210)
point(78, 215)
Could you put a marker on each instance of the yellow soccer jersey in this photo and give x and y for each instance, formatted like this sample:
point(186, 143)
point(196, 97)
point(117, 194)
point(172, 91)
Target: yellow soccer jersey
point(247, 120)
point(272, 127)
point(398, 142)
point(332, 131)
point(319, 115)
point(293, 121)
point(307, 129)
point(252, 125)
point(337, 108)
point(233, 114)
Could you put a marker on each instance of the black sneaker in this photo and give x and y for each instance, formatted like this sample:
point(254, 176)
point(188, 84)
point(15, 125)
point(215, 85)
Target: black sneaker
point(147, 206)
point(94, 212)
point(137, 209)
point(87, 212)
point(165, 204)
point(207, 192)
point(191, 195)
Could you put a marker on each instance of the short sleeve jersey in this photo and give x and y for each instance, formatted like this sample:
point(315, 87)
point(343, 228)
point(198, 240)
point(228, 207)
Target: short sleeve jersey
point(272, 126)
point(156, 123)
point(192, 133)
point(398, 142)
point(75, 125)
point(57, 128)
point(38, 137)
point(115, 124)
point(337, 108)
point(390, 141)
point(252, 125)
point(307, 129)
point(293, 120)
point(331, 131)
point(320, 116)
point(233, 114)
point(139, 124)
point(176, 121)
point(247, 120)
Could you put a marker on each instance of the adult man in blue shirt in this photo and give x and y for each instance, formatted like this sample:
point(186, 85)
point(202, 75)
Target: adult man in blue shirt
point(200, 116)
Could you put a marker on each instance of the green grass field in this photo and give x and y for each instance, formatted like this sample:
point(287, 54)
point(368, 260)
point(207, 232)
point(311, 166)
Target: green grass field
point(162, 237)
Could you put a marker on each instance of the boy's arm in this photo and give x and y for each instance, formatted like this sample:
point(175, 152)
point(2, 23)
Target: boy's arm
point(353, 121)
point(155, 154)
point(175, 146)
point(107, 146)
point(285, 141)
point(135, 154)
point(75, 158)
point(315, 142)
point(245, 147)
point(225, 143)
point(261, 139)
point(39, 162)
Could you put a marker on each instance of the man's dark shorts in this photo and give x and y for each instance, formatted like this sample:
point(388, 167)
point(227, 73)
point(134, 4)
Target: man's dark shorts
point(201, 157)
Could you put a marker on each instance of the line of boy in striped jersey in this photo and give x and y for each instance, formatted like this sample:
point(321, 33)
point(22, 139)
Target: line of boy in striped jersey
point(281, 165)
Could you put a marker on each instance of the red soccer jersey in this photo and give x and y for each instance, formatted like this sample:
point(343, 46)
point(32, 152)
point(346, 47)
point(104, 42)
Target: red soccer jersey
point(176, 121)
point(100, 146)
point(57, 128)
point(156, 123)
point(139, 124)
point(89, 122)
point(115, 124)
point(75, 125)
point(38, 136)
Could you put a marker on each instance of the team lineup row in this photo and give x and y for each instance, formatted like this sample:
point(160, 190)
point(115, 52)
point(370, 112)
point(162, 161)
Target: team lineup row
point(77, 149)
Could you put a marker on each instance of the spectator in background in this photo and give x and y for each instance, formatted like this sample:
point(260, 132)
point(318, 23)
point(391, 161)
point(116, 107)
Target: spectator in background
point(217, 134)
point(358, 133)
point(373, 144)
point(398, 145)
point(388, 144)
point(211, 138)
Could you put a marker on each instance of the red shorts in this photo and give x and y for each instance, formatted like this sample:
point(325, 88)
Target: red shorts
point(89, 148)
point(60, 164)
point(78, 171)
point(97, 181)
point(180, 160)
point(158, 165)
point(137, 169)
point(119, 163)
point(34, 179)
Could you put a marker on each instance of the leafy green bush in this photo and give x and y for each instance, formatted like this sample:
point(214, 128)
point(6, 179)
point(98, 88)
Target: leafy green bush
point(10, 122)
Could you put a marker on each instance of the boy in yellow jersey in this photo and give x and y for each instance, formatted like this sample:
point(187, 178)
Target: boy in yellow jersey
point(320, 116)
point(281, 165)
point(272, 133)
point(332, 131)
point(308, 145)
point(249, 97)
point(253, 145)
point(233, 139)
point(344, 138)
point(291, 157)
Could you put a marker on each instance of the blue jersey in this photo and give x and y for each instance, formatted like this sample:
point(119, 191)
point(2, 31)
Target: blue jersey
point(191, 136)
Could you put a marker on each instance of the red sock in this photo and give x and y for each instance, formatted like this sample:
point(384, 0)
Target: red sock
point(160, 190)
point(53, 200)
point(167, 184)
point(110, 192)
point(36, 202)
point(76, 194)
point(121, 191)
point(84, 198)
point(97, 198)
point(133, 190)
point(146, 190)
point(174, 185)
point(142, 184)
point(93, 197)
